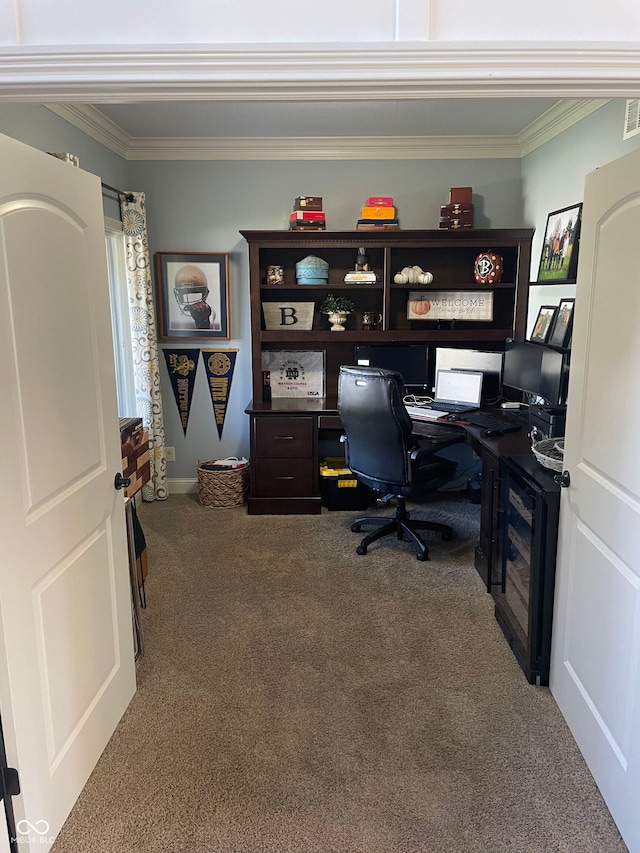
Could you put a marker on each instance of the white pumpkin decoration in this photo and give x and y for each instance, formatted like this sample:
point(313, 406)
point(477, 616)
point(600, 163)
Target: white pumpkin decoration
point(413, 275)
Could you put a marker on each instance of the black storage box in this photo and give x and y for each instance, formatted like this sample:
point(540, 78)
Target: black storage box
point(339, 487)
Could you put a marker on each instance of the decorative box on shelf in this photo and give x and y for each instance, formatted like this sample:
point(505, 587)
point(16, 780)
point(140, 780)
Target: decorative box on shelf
point(455, 216)
point(288, 316)
point(136, 456)
point(308, 202)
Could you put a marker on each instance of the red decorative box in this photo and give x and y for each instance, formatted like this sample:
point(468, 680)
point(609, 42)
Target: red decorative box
point(307, 216)
point(379, 201)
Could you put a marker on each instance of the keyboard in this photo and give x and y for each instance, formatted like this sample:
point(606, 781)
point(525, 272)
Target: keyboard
point(482, 419)
point(451, 408)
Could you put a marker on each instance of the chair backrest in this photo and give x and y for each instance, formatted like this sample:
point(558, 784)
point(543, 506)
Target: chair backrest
point(376, 423)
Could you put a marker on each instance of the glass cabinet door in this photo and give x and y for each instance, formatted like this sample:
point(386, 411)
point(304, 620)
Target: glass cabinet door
point(518, 545)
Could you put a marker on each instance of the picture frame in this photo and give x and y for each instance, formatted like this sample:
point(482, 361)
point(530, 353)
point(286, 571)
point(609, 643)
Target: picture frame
point(559, 255)
point(543, 324)
point(562, 329)
point(193, 295)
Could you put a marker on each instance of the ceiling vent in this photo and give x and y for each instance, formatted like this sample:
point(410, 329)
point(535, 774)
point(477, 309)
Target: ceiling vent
point(632, 118)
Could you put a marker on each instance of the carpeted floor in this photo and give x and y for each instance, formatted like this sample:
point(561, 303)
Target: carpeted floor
point(297, 698)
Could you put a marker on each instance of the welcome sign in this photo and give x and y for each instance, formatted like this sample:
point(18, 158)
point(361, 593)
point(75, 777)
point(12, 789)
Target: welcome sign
point(474, 305)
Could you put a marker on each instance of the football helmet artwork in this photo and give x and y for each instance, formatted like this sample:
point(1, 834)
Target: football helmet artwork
point(191, 289)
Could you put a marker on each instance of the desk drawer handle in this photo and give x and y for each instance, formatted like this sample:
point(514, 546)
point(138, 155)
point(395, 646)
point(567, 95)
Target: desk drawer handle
point(283, 438)
point(284, 478)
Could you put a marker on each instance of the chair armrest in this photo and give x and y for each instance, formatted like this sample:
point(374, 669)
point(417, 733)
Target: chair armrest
point(425, 466)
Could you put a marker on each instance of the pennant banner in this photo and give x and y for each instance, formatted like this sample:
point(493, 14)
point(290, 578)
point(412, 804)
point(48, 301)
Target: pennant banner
point(182, 365)
point(219, 364)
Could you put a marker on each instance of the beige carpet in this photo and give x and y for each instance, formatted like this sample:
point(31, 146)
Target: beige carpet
point(297, 698)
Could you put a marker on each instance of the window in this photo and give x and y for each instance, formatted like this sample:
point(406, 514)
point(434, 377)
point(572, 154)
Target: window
point(122, 344)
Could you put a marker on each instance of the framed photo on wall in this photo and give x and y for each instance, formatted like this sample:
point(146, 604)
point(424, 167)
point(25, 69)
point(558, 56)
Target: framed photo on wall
point(562, 329)
point(192, 295)
point(543, 324)
point(559, 257)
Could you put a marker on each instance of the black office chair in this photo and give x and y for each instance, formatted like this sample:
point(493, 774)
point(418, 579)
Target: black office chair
point(383, 453)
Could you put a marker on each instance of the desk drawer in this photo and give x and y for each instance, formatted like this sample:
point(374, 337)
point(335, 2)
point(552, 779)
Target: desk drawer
point(278, 437)
point(280, 478)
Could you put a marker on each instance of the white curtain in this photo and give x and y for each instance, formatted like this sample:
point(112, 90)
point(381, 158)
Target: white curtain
point(144, 338)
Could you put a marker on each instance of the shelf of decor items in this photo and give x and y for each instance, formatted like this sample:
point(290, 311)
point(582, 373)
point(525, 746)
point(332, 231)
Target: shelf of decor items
point(448, 255)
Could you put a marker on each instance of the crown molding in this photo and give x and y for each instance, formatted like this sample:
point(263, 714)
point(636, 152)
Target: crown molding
point(556, 120)
point(96, 125)
point(325, 148)
point(308, 72)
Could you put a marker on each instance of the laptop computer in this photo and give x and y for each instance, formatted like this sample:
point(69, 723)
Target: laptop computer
point(457, 391)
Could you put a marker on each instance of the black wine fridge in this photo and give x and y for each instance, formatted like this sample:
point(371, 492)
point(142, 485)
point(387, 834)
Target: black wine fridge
point(528, 535)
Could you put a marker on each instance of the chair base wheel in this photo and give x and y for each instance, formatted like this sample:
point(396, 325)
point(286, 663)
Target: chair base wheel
point(361, 549)
point(355, 528)
point(422, 557)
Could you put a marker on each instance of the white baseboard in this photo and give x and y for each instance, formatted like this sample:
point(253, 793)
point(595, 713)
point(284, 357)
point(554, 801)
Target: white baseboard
point(182, 485)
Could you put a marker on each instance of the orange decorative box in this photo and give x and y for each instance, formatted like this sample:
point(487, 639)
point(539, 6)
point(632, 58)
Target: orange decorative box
point(136, 456)
point(378, 213)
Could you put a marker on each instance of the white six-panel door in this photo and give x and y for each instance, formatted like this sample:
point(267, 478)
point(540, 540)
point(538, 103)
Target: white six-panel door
point(595, 667)
point(66, 650)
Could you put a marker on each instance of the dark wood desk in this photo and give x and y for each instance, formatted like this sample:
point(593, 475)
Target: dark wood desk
point(285, 438)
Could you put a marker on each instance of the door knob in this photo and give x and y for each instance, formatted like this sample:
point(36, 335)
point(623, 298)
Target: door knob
point(562, 479)
point(121, 482)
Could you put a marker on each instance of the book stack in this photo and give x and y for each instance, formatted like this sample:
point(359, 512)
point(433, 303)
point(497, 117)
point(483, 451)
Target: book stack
point(307, 214)
point(379, 214)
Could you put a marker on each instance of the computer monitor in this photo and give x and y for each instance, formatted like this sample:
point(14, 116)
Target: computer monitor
point(411, 361)
point(554, 373)
point(489, 363)
point(535, 369)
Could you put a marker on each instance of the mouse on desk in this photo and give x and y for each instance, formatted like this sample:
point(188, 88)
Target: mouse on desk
point(494, 432)
point(452, 418)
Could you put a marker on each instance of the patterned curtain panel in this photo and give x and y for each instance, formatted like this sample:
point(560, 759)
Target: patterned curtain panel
point(144, 338)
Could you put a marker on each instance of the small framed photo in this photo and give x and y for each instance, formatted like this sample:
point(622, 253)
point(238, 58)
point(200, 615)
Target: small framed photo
point(192, 295)
point(559, 257)
point(543, 324)
point(561, 331)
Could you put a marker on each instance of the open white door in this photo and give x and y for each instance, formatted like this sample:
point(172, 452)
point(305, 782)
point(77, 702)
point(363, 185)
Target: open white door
point(67, 668)
point(595, 666)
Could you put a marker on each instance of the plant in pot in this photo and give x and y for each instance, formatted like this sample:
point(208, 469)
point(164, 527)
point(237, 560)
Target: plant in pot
point(337, 308)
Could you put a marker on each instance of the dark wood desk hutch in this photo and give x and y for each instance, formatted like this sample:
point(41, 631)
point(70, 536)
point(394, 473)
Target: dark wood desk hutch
point(285, 432)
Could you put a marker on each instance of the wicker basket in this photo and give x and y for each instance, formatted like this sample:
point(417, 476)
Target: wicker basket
point(222, 487)
point(549, 452)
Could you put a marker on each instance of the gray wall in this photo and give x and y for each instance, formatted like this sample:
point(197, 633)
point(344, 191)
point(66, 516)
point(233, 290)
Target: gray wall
point(201, 207)
point(553, 178)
